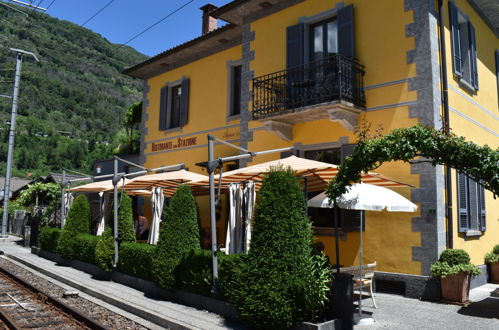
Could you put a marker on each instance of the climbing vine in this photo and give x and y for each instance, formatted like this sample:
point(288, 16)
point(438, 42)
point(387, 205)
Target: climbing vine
point(481, 163)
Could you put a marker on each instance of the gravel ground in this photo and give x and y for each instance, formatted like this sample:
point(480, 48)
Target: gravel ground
point(99, 313)
point(396, 312)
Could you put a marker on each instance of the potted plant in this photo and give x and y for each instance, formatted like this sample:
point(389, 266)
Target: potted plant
point(492, 259)
point(455, 271)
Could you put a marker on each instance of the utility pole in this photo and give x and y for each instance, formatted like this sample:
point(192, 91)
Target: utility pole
point(12, 133)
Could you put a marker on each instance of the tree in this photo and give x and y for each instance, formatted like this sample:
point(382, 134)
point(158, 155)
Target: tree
point(77, 222)
point(276, 283)
point(179, 234)
point(481, 163)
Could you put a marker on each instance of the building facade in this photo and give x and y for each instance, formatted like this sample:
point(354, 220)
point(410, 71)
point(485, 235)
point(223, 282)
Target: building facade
point(306, 74)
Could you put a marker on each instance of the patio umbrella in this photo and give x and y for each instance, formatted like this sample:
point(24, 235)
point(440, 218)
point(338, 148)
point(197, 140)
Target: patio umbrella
point(157, 208)
point(164, 180)
point(98, 186)
point(363, 196)
point(318, 174)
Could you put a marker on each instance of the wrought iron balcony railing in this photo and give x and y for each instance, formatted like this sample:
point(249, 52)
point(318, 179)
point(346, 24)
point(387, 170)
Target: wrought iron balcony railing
point(337, 78)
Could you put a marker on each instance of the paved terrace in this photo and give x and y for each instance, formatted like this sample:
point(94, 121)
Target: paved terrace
point(394, 312)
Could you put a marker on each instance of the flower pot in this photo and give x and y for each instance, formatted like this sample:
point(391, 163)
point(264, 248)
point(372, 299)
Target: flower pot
point(456, 288)
point(494, 273)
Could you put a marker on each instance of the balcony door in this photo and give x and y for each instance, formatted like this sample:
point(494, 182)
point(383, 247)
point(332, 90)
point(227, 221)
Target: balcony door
point(323, 40)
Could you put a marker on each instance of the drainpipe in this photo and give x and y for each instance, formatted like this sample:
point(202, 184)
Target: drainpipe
point(446, 126)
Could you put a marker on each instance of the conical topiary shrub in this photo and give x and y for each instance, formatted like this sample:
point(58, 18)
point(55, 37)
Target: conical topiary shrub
point(77, 222)
point(104, 251)
point(126, 228)
point(179, 234)
point(275, 284)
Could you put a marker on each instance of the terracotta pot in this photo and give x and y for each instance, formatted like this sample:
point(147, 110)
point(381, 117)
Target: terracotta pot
point(456, 288)
point(494, 273)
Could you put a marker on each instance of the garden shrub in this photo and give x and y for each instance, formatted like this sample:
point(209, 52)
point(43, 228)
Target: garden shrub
point(179, 234)
point(274, 285)
point(77, 222)
point(496, 249)
point(136, 259)
point(104, 251)
point(126, 227)
point(194, 273)
point(84, 246)
point(48, 238)
point(492, 257)
point(452, 262)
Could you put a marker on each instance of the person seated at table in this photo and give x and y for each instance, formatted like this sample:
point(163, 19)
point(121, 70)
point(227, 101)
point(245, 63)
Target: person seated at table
point(142, 227)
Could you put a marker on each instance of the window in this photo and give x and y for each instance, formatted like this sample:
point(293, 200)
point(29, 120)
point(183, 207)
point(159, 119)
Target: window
point(323, 40)
point(463, 48)
point(174, 102)
point(348, 220)
point(471, 204)
point(497, 74)
point(235, 90)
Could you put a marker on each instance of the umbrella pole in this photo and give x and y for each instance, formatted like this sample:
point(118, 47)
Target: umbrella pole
point(360, 270)
point(213, 221)
point(336, 236)
point(115, 213)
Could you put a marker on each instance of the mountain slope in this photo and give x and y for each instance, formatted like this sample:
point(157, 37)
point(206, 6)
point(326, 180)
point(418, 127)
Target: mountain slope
point(73, 101)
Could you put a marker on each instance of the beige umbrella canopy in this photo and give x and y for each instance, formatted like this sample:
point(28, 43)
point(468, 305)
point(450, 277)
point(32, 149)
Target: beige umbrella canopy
point(318, 174)
point(98, 186)
point(169, 181)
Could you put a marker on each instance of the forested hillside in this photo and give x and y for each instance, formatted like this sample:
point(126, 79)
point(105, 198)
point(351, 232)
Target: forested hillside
point(72, 103)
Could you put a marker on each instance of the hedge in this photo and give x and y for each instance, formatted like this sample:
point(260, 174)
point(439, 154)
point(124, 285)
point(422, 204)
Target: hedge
point(126, 227)
point(84, 246)
point(136, 259)
point(48, 238)
point(104, 251)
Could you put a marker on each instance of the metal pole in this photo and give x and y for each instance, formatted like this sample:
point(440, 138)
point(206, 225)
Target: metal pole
point(360, 268)
point(213, 223)
point(63, 199)
point(336, 236)
point(115, 213)
point(10, 152)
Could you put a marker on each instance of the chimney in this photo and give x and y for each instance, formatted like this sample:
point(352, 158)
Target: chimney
point(210, 23)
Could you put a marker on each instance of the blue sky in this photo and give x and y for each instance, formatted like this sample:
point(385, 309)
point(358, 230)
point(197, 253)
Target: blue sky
point(123, 19)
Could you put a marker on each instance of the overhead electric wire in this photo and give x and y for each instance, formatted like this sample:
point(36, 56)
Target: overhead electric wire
point(97, 13)
point(50, 4)
point(161, 20)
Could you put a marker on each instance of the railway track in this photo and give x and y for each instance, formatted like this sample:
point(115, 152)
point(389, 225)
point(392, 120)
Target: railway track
point(22, 306)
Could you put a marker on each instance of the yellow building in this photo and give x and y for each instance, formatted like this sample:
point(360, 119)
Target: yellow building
point(306, 73)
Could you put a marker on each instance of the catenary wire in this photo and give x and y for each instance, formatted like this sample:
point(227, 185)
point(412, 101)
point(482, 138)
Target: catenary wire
point(161, 20)
point(97, 13)
point(50, 4)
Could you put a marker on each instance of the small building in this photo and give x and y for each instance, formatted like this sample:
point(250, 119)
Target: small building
point(306, 74)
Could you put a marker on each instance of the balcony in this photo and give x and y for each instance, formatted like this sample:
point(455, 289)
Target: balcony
point(330, 88)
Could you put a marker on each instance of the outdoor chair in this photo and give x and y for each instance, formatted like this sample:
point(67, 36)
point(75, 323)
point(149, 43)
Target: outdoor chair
point(364, 281)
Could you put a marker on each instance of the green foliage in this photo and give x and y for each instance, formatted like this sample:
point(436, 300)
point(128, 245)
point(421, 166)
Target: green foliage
point(492, 257)
point(48, 238)
point(136, 259)
point(276, 285)
point(84, 246)
point(194, 273)
point(71, 103)
point(179, 234)
point(454, 257)
point(481, 163)
point(48, 194)
point(77, 222)
point(452, 262)
point(126, 228)
point(104, 251)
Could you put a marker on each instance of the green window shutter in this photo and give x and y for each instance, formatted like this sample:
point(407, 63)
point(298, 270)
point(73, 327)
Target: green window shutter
point(481, 208)
point(463, 202)
point(184, 102)
point(474, 67)
point(346, 35)
point(163, 108)
point(456, 46)
point(295, 49)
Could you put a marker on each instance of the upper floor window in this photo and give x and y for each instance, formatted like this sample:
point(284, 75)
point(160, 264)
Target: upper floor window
point(174, 104)
point(324, 39)
point(463, 48)
point(235, 90)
